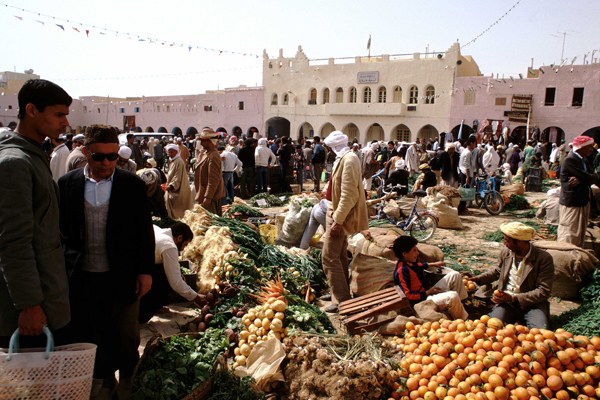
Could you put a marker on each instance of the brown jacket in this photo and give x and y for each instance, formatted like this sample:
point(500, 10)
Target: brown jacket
point(536, 284)
point(208, 177)
point(348, 196)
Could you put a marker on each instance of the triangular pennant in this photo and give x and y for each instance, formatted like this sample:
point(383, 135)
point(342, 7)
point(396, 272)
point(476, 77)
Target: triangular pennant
point(41, 22)
point(87, 32)
point(75, 29)
point(19, 18)
point(61, 27)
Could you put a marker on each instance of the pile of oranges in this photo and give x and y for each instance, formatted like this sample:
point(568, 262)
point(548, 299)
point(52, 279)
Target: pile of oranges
point(487, 360)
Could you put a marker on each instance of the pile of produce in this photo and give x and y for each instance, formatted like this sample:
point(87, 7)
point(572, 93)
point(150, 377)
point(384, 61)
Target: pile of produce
point(484, 359)
point(584, 320)
point(175, 366)
point(271, 200)
point(242, 211)
point(516, 202)
point(329, 367)
point(228, 386)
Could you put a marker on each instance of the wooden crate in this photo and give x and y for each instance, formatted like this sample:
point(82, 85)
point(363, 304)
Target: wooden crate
point(359, 314)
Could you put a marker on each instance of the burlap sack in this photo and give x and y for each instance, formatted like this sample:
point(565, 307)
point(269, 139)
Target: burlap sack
point(398, 325)
point(447, 215)
point(572, 265)
point(428, 311)
point(392, 209)
point(372, 273)
point(548, 211)
point(515, 188)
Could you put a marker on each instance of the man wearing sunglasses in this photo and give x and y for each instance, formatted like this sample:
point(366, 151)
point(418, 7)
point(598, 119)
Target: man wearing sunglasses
point(109, 247)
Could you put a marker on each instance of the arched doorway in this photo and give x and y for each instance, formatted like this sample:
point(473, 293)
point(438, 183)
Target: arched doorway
point(374, 132)
point(593, 133)
point(306, 130)
point(237, 131)
point(177, 131)
point(138, 129)
point(428, 132)
point(351, 130)
point(277, 127)
point(149, 129)
point(518, 136)
point(467, 131)
point(191, 132)
point(401, 133)
point(326, 130)
point(162, 129)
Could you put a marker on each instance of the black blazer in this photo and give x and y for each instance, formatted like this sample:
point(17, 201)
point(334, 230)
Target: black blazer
point(130, 236)
point(579, 195)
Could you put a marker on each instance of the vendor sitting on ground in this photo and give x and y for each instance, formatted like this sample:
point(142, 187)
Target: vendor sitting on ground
point(409, 274)
point(534, 161)
point(167, 274)
point(524, 279)
point(427, 178)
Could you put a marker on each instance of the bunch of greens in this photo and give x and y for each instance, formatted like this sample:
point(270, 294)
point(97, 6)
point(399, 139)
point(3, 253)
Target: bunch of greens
point(516, 202)
point(300, 315)
point(178, 365)
point(309, 268)
point(271, 200)
point(584, 320)
point(243, 211)
point(228, 386)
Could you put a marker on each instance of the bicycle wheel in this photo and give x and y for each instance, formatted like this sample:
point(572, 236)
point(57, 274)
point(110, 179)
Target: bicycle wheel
point(423, 227)
point(493, 203)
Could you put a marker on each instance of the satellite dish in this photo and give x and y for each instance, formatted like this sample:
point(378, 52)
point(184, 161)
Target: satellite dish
point(29, 71)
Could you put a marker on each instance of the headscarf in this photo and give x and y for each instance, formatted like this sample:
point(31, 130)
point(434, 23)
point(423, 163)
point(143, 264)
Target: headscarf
point(233, 140)
point(490, 159)
point(582, 141)
point(338, 143)
point(173, 147)
point(517, 230)
point(400, 164)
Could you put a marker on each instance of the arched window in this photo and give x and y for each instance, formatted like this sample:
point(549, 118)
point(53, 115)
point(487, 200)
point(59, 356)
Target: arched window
point(367, 95)
point(274, 99)
point(352, 98)
point(413, 95)
point(286, 99)
point(339, 95)
point(313, 96)
point(397, 97)
point(429, 95)
point(325, 95)
point(381, 95)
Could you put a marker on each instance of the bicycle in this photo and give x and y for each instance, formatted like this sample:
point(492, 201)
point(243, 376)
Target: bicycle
point(487, 194)
point(420, 224)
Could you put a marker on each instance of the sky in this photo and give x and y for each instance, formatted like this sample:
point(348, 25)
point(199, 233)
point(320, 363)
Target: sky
point(179, 47)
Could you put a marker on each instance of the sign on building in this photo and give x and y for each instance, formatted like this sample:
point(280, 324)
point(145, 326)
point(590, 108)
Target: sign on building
point(368, 77)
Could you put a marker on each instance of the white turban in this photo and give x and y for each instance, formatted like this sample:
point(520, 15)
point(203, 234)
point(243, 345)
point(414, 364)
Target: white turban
point(399, 164)
point(375, 146)
point(173, 147)
point(125, 152)
point(338, 142)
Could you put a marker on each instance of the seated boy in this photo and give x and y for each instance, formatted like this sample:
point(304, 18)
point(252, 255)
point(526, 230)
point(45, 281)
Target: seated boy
point(409, 274)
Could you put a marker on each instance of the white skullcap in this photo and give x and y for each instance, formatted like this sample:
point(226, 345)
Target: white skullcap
point(399, 164)
point(125, 152)
point(173, 147)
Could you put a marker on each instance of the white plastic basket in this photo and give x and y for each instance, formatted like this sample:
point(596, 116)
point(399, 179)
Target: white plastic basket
point(62, 372)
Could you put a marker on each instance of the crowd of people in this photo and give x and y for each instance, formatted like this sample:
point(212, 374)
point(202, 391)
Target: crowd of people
point(79, 252)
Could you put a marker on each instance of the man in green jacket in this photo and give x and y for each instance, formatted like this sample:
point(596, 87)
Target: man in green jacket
point(33, 280)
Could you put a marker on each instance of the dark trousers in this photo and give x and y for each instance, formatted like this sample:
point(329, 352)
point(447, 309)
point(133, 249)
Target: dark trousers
point(157, 297)
point(248, 182)
point(261, 179)
point(534, 317)
point(285, 184)
point(99, 318)
point(317, 170)
point(228, 181)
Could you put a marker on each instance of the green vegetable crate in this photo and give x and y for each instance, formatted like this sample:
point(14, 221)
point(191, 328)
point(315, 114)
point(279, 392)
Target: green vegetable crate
point(195, 380)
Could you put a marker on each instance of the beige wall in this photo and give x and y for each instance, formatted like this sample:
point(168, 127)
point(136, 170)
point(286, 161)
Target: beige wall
point(295, 78)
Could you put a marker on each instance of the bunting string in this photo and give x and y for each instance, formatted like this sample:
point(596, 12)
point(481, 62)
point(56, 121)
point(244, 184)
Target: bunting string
point(81, 28)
